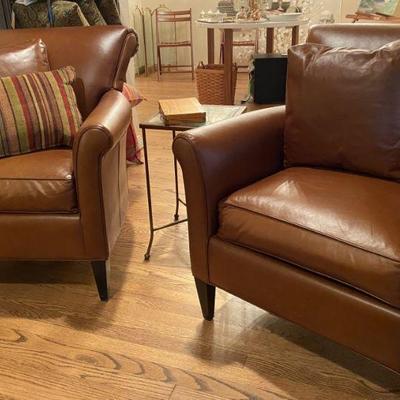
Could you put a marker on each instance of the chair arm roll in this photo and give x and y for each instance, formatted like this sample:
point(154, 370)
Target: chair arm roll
point(219, 159)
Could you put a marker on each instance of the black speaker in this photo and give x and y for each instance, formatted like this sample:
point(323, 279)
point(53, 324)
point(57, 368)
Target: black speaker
point(270, 72)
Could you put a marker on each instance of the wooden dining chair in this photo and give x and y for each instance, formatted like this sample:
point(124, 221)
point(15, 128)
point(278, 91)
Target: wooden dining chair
point(174, 17)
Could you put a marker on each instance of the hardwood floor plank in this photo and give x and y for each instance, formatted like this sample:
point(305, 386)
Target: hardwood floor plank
point(29, 373)
point(182, 393)
point(124, 372)
point(228, 345)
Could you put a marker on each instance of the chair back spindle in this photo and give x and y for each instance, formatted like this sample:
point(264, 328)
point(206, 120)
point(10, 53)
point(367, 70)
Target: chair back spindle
point(164, 16)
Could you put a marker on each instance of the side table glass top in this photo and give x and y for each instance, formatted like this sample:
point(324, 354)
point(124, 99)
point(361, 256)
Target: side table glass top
point(214, 114)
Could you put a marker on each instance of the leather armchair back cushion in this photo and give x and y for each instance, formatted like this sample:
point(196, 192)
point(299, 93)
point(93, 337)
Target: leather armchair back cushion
point(22, 58)
point(99, 54)
point(343, 109)
point(358, 36)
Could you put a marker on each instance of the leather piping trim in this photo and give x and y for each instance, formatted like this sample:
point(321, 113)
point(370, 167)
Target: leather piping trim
point(38, 179)
point(204, 189)
point(100, 194)
point(310, 271)
point(73, 211)
point(100, 180)
point(119, 185)
point(317, 233)
point(111, 145)
point(51, 259)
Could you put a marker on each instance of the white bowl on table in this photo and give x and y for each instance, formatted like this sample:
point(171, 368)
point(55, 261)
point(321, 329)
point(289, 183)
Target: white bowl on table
point(284, 17)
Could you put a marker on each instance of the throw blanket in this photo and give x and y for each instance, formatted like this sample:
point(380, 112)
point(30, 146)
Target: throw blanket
point(134, 144)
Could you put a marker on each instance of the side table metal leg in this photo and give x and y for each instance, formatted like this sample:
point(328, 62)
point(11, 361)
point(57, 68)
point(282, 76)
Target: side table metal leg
point(149, 202)
point(176, 216)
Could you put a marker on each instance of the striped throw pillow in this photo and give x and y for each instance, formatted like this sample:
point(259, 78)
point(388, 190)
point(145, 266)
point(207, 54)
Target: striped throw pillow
point(38, 111)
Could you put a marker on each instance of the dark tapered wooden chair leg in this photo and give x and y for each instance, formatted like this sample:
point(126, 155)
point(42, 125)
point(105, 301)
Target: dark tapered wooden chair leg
point(101, 271)
point(206, 295)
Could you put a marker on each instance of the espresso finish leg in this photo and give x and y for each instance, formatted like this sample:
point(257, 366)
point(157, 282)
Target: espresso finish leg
point(206, 295)
point(101, 271)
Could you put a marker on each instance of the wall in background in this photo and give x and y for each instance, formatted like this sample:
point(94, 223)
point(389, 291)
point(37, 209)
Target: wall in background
point(200, 46)
point(200, 33)
point(125, 6)
point(330, 5)
point(349, 7)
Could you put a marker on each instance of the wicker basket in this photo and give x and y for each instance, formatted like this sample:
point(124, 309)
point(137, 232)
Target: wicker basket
point(211, 84)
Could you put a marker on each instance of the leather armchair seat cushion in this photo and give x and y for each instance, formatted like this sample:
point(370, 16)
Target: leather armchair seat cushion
point(40, 182)
point(337, 224)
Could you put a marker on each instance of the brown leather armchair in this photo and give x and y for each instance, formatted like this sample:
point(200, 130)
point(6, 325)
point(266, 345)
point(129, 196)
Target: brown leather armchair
point(69, 204)
point(343, 291)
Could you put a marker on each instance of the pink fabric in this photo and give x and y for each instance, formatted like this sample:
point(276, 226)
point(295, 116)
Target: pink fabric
point(134, 145)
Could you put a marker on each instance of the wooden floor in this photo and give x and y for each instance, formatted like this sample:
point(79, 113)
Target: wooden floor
point(58, 342)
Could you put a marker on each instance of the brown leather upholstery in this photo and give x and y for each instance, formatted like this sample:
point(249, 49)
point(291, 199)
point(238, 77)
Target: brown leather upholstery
point(21, 58)
point(318, 247)
point(322, 78)
point(356, 36)
point(100, 56)
point(311, 207)
point(256, 140)
point(346, 316)
point(70, 204)
point(38, 182)
point(102, 183)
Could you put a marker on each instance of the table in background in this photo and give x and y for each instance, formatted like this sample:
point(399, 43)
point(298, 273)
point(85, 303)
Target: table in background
point(228, 28)
point(214, 114)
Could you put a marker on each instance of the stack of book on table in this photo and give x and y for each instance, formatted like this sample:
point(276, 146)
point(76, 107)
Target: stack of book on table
point(182, 111)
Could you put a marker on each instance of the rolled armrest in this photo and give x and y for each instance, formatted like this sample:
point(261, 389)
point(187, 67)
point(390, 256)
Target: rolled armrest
point(101, 132)
point(219, 159)
point(104, 126)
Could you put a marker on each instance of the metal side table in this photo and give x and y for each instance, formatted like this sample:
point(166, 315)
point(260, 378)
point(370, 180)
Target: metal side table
point(214, 114)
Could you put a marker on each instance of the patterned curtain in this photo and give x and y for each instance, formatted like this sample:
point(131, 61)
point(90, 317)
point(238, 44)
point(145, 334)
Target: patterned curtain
point(5, 14)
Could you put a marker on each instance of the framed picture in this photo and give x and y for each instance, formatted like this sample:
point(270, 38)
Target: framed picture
point(384, 7)
point(387, 7)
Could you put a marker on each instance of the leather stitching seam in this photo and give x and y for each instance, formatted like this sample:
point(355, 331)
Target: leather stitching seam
point(317, 233)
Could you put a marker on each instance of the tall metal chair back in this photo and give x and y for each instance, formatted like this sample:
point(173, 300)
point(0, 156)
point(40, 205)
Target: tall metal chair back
point(164, 16)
